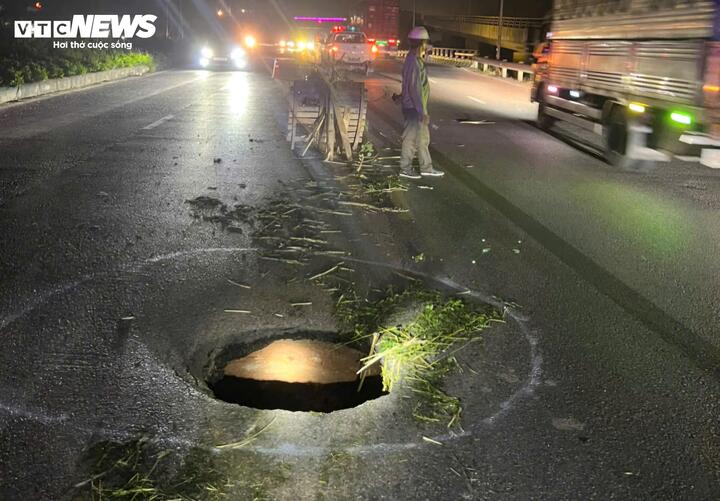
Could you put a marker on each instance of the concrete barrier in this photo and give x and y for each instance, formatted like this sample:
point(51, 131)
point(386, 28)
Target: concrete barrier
point(36, 89)
point(468, 58)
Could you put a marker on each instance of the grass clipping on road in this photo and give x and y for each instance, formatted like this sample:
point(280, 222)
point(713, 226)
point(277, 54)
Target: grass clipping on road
point(419, 349)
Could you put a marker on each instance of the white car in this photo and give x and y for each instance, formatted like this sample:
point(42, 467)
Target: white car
point(349, 49)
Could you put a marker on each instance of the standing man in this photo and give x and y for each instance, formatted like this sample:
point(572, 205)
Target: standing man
point(415, 94)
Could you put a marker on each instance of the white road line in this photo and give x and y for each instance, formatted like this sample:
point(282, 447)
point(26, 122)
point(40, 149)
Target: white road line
point(480, 101)
point(159, 122)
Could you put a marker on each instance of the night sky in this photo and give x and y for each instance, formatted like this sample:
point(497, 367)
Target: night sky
point(530, 8)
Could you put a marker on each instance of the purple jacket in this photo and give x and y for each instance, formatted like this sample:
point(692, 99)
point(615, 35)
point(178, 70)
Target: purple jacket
point(415, 86)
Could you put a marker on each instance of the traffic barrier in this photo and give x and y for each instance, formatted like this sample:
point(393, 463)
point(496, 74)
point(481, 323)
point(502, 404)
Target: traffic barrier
point(470, 59)
point(44, 87)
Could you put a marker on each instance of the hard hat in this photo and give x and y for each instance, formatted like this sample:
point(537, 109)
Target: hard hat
point(419, 33)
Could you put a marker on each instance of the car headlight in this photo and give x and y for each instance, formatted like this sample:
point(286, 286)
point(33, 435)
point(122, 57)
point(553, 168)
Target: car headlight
point(311, 46)
point(237, 53)
point(206, 52)
point(301, 45)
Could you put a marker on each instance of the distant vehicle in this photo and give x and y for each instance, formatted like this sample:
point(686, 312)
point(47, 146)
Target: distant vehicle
point(380, 21)
point(349, 49)
point(643, 77)
point(220, 54)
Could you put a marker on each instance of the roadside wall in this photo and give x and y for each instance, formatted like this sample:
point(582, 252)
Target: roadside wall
point(25, 91)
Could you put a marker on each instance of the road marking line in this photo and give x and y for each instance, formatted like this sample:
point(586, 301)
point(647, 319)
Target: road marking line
point(476, 100)
point(159, 122)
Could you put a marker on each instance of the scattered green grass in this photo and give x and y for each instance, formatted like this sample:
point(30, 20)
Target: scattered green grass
point(418, 350)
point(137, 470)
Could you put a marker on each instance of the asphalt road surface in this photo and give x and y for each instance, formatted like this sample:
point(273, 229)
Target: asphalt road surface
point(602, 384)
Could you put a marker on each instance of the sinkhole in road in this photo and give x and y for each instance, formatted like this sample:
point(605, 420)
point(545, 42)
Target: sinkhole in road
point(298, 375)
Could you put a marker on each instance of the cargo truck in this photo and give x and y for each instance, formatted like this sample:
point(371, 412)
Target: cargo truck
point(380, 21)
point(642, 75)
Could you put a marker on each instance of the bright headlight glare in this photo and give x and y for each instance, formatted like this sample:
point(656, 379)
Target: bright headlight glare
point(301, 45)
point(311, 45)
point(250, 41)
point(206, 52)
point(237, 53)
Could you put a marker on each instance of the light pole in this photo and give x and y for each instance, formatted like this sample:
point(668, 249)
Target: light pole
point(500, 27)
point(413, 13)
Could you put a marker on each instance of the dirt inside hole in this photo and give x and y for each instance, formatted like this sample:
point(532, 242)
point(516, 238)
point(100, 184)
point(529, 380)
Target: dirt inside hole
point(298, 375)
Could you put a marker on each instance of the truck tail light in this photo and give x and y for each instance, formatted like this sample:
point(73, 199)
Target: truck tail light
point(681, 118)
point(637, 107)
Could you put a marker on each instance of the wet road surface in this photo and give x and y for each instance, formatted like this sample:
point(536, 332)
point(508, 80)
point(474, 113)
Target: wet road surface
point(603, 383)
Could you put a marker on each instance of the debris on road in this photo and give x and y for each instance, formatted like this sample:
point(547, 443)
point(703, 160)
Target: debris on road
point(431, 441)
point(238, 284)
point(468, 121)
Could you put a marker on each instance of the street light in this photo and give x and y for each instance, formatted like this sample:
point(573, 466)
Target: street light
point(500, 26)
point(220, 13)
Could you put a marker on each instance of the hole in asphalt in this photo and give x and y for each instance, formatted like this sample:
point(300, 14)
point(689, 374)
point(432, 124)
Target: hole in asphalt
point(298, 375)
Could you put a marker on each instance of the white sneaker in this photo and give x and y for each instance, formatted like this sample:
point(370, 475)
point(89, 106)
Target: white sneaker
point(432, 172)
point(410, 174)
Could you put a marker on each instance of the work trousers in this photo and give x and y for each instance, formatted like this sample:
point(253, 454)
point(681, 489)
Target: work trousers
point(415, 141)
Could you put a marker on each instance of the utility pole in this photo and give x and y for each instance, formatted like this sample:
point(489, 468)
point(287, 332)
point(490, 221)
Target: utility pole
point(500, 27)
point(413, 13)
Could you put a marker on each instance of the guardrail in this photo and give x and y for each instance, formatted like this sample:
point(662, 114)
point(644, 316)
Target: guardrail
point(507, 22)
point(470, 59)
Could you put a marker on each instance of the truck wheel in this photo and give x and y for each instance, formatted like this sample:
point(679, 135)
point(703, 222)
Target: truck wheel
point(615, 139)
point(544, 121)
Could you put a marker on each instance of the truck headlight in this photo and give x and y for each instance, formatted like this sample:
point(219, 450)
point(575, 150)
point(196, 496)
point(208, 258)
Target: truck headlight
point(237, 53)
point(206, 52)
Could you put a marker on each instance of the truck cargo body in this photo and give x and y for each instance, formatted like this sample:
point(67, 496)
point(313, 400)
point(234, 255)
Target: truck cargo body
point(380, 21)
point(642, 74)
